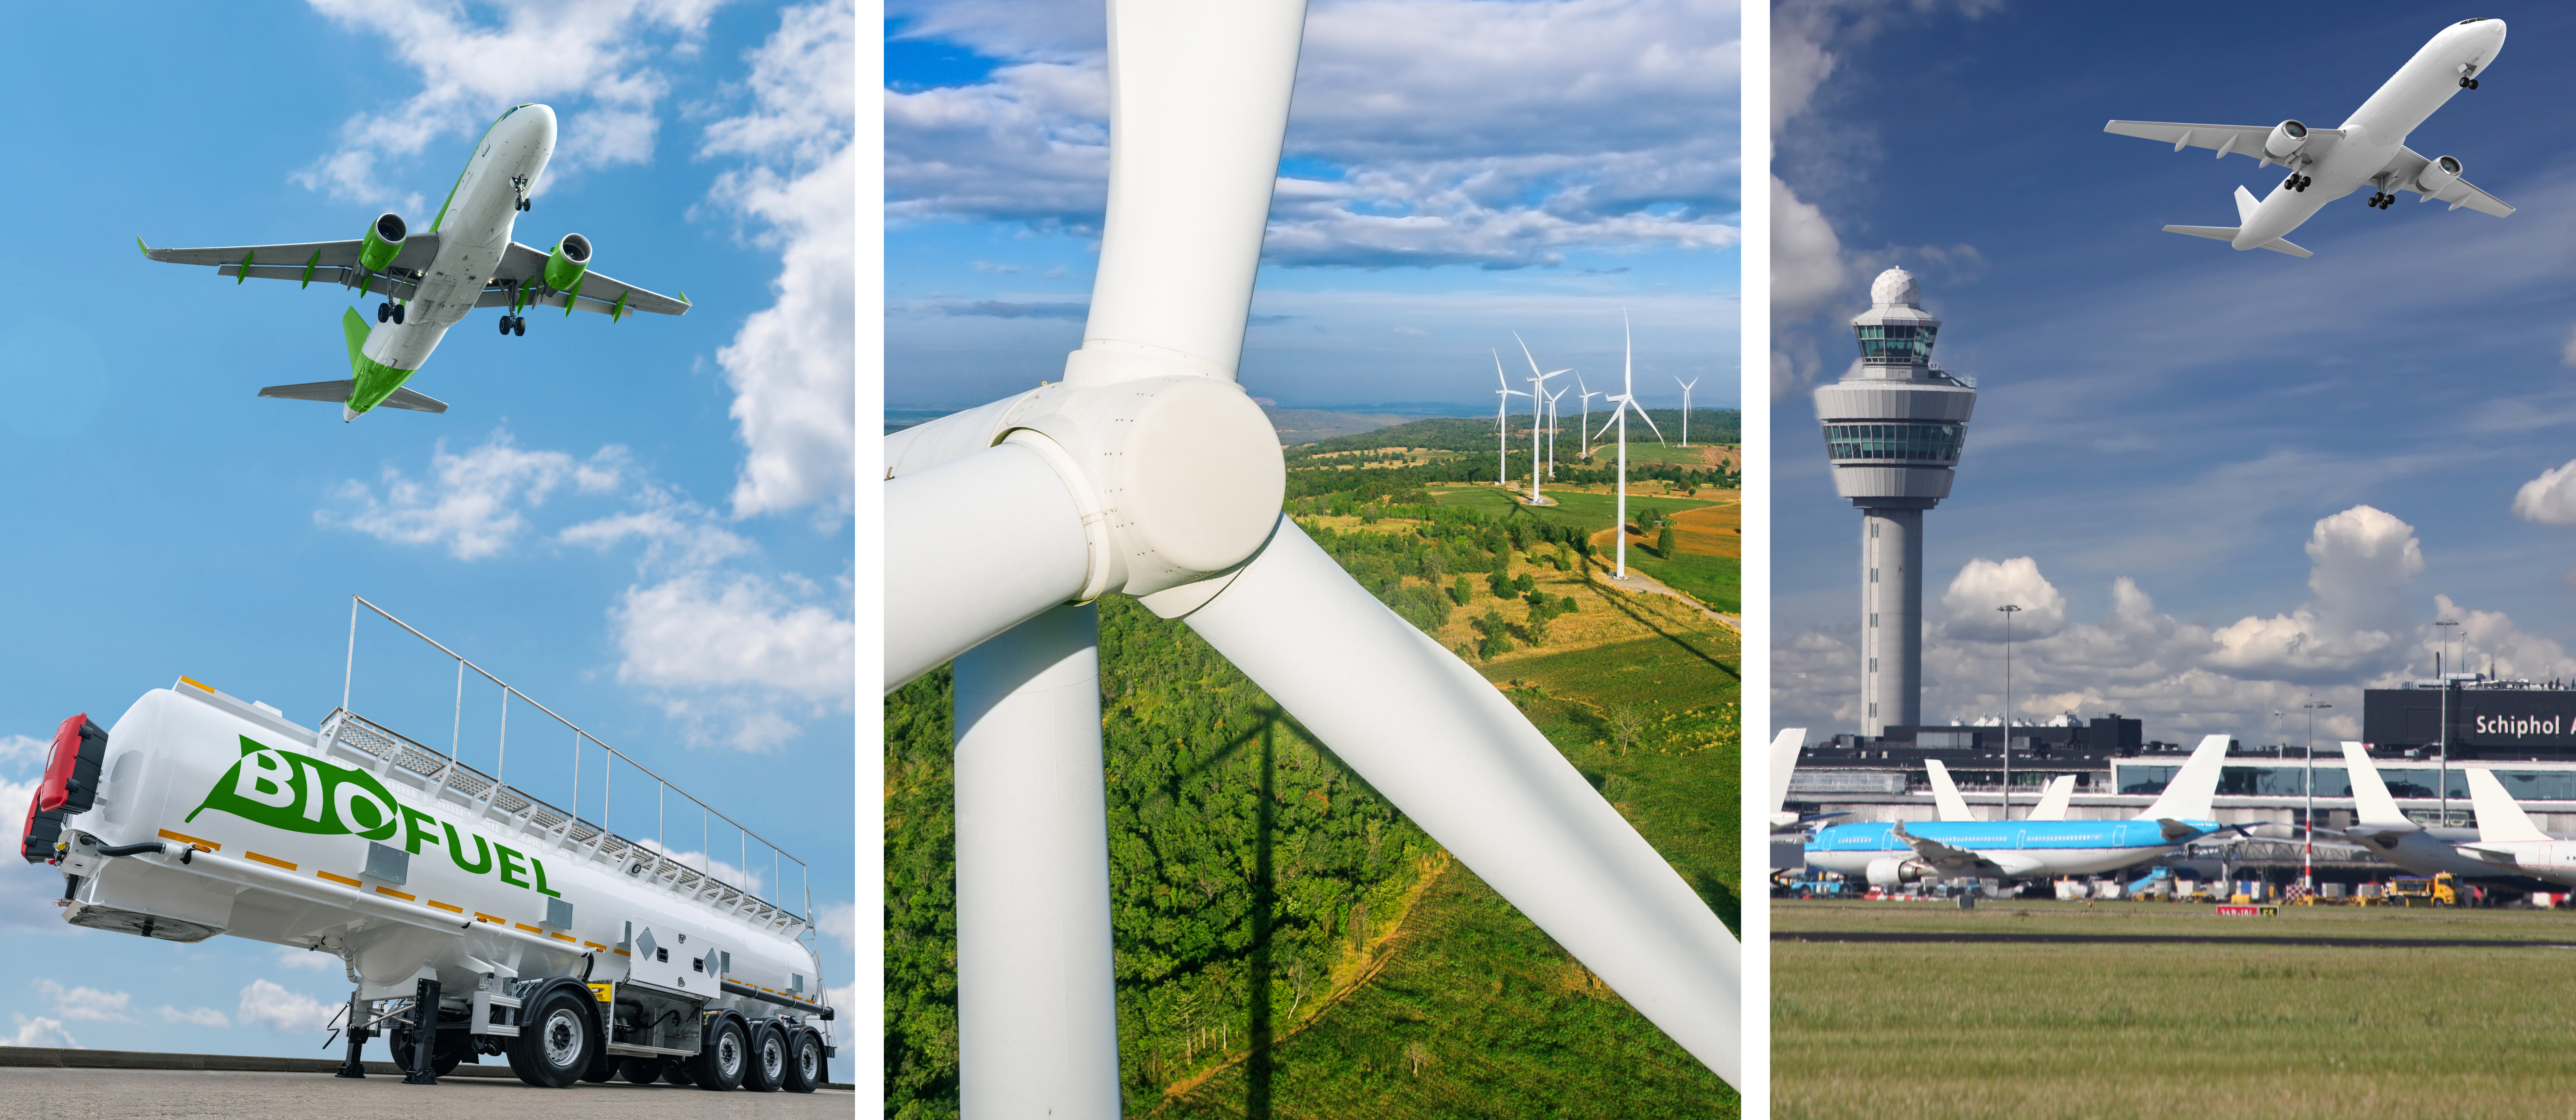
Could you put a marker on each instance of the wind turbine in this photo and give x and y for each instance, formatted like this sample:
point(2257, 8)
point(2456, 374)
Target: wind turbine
point(1552, 422)
point(1538, 391)
point(1147, 471)
point(1586, 399)
point(1686, 390)
point(1502, 403)
point(1626, 402)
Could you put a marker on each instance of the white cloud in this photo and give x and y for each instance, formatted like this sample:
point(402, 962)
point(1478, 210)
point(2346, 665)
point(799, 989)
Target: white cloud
point(271, 1005)
point(1807, 269)
point(2188, 678)
point(793, 366)
point(86, 1004)
point(840, 920)
point(1599, 137)
point(725, 651)
point(290, 957)
point(41, 1031)
point(27, 890)
point(2549, 499)
point(473, 504)
point(195, 1016)
point(1982, 587)
point(597, 56)
point(675, 532)
point(755, 881)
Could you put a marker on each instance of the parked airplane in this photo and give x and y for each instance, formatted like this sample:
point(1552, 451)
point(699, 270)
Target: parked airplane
point(1888, 853)
point(431, 279)
point(2417, 850)
point(1952, 807)
point(2369, 150)
point(1784, 763)
point(2507, 838)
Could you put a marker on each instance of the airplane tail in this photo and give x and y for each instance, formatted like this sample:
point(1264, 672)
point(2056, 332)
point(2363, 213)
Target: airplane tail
point(1945, 796)
point(2228, 233)
point(2371, 803)
point(2499, 819)
point(2053, 802)
point(2246, 204)
point(1784, 761)
point(2188, 796)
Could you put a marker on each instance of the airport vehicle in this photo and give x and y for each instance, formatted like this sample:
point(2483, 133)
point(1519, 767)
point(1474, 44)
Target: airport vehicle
point(432, 278)
point(2437, 890)
point(2507, 839)
point(1148, 472)
point(2157, 878)
point(2384, 831)
point(471, 919)
point(1888, 853)
point(2368, 150)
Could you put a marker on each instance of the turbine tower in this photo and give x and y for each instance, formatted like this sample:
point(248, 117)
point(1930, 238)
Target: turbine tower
point(1554, 420)
point(1893, 427)
point(1538, 404)
point(1502, 426)
point(1148, 472)
point(1687, 386)
point(1625, 402)
point(1585, 431)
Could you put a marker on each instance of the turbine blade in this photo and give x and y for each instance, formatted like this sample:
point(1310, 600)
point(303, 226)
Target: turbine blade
point(1650, 422)
point(1456, 756)
point(1525, 351)
point(1028, 556)
point(1198, 102)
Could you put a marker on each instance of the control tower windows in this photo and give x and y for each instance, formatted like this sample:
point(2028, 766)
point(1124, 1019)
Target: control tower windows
point(1929, 443)
point(1896, 344)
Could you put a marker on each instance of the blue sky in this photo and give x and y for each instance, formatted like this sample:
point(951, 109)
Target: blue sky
point(2297, 466)
point(1455, 170)
point(643, 525)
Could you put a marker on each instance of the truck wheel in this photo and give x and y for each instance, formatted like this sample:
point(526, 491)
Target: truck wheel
point(718, 1067)
point(767, 1069)
point(640, 1071)
point(556, 1043)
point(399, 1042)
point(804, 1062)
point(676, 1071)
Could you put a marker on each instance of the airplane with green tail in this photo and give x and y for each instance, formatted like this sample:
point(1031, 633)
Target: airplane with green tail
point(431, 280)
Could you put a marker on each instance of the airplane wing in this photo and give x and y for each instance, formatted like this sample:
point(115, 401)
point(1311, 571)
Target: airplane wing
point(2239, 139)
point(2405, 165)
point(525, 268)
point(1949, 862)
point(331, 262)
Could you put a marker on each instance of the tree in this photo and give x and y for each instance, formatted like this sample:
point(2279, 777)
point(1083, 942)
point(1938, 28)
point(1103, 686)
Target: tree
point(1462, 591)
point(1497, 635)
point(1538, 616)
point(1625, 722)
point(1524, 583)
point(1664, 542)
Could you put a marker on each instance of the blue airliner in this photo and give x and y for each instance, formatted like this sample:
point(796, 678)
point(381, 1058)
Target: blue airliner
point(1891, 852)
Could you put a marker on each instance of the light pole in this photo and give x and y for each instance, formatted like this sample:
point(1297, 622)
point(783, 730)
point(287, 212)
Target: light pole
point(2009, 609)
point(2450, 629)
point(2307, 852)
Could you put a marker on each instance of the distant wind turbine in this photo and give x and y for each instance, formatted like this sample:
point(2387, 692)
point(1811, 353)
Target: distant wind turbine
point(1686, 388)
point(1627, 403)
point(1586, 431)
point(1502, 401)
point(1552, 422)
point(1538, 390)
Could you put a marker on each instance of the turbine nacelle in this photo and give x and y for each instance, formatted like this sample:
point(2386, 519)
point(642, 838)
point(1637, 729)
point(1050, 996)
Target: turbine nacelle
point(2286, 139)
point(383, 241)
point(2438, 175)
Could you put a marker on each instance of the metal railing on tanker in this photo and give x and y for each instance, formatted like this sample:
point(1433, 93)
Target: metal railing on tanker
point(347, 728)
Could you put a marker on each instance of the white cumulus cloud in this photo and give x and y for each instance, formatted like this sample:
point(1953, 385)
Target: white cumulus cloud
point(85, 1004)
point(272, 1005)
point(41, 1031)
point(474, 503)
point(2549, 499)
point(195, 1016)
point(1983, 587)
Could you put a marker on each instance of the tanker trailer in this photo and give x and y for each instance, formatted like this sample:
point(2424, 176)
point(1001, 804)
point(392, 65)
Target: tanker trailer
point(467, 915)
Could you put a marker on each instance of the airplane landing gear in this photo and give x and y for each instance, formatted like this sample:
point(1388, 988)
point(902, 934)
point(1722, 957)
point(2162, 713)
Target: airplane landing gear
point(2298, 182)
point(398, 314)
point(2468, 83)
point(514, 324)
point(384, 311)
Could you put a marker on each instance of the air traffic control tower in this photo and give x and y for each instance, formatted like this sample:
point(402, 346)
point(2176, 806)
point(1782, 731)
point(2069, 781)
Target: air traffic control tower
point(1893, 428)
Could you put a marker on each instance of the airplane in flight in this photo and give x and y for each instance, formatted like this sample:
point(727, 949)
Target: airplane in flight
point(1888, 853)
point(2368, 150)
point(2381, 828)
point(431, 279)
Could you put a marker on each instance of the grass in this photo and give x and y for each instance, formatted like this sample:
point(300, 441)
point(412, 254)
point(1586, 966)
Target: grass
point(1581, 507)
point(1477, 1014)
point(1707, 555)
point(2217, 1031)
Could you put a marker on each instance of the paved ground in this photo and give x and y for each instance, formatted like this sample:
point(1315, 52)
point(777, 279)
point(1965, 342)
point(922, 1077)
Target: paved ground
point(149, 1094)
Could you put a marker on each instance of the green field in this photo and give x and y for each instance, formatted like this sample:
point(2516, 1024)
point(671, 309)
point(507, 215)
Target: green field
point(1640, 452)
point(1598, 511)
point(2141, 1027)
point(1715, 580)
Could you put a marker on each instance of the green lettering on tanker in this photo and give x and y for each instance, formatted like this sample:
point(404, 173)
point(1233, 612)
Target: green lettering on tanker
point(300, 793)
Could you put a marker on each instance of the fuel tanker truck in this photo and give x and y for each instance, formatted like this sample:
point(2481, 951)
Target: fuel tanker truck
point(473, 921)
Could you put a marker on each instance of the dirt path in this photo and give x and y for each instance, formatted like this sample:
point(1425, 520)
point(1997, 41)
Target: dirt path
point(1639, 581)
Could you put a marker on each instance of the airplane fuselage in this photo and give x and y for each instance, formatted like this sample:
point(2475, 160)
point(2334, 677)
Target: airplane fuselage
point(473, 230)
point(2374, 132)
point(2024, 849)
point(2552, 861)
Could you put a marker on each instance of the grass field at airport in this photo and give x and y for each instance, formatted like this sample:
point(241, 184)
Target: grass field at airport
point(2125, 1009)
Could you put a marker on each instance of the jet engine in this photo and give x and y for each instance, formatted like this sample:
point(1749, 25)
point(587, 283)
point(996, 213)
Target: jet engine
point(2437, 175)
point(2286, 139)
point(383, 242)
point(570, 258)
point(1893, 871)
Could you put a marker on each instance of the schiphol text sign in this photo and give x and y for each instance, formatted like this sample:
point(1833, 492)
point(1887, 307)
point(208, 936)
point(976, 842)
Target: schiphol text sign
point(2519, 727)
point(2541, 720)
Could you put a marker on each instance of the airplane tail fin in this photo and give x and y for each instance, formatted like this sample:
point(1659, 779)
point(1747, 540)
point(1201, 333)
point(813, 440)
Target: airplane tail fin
point(2228, 233)
point(1784, 762)
point(1945, 796)
point(2498, 817)
point(2246, 204)
point(2188, 796)
point(2370, 800)
point(2053, 802)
